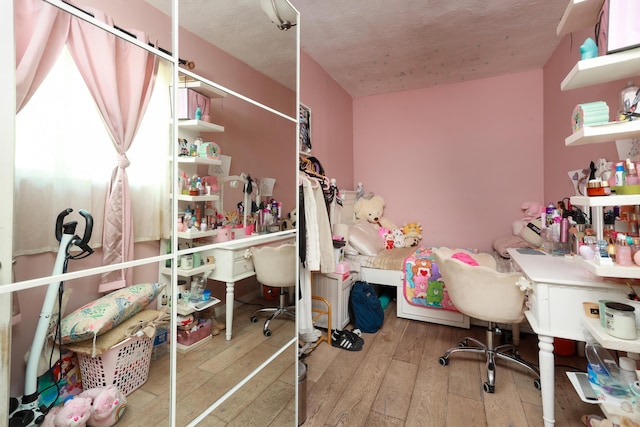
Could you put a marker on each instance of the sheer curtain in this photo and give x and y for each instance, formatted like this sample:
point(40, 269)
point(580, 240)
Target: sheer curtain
point(65, 158)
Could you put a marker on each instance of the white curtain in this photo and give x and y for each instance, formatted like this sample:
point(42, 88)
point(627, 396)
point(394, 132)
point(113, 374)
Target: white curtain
point(64, 159)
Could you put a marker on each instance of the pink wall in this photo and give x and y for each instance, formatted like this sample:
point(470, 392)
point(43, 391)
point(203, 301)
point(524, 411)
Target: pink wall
point(558, 106)
point(331, 121)
point(460, 159)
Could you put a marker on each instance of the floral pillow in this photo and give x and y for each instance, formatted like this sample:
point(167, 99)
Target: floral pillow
point(105, 313)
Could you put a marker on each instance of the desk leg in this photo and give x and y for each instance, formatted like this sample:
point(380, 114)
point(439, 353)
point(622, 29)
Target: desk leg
point(229, 304)
point(547, 379)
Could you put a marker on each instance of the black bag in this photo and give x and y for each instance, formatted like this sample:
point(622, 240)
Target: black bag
point(365, 309)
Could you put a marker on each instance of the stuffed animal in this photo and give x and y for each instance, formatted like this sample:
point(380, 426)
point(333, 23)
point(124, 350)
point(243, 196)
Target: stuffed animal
point(290, 222)
point(75, 412)
point(398, 238)
point(370, 209)
point(108, 405)
point(531, 215)
point(412, 232)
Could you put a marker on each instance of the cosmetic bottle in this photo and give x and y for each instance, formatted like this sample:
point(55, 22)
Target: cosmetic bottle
point(620, 175)
point(631, 177)
point(623, 251)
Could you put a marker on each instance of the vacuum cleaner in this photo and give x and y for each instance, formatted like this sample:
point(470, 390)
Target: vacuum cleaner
point(24, 411)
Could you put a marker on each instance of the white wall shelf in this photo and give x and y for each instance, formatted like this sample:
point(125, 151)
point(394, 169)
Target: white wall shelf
point(604, 133)
point(190, 272)
point(200, 126)
point(579, 14)
point(188, 198)
point(196, 234)
point(615, 270)
point(600, 334)
point(203, 88)
point(603, 201)
point(196, 160)
point(603, 69)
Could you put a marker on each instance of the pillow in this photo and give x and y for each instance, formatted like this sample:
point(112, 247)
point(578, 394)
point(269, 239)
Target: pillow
point(105, 313)
point(364, 238)
point(466, 258)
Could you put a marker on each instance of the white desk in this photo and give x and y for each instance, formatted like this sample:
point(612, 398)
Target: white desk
point(555, 308)
point(233, 263)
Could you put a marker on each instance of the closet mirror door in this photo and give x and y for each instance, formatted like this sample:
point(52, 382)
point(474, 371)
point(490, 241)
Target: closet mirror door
point(220, 37)
point(65, 151)
point(66, 157)
point(259, 151)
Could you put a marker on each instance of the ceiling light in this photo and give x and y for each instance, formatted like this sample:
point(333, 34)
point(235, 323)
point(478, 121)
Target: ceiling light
point(280, 12)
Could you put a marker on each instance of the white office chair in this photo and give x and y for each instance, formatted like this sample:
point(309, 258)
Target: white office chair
point(275, 266)
point(484, 293)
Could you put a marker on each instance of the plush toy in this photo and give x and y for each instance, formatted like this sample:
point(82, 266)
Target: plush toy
point(75, 412)
point(95, 407)
point(387, 237)
point(531, 215)
point(108, 405)
point(290, 222)
point(398, 238)
point(412, 232)
point(370, 209)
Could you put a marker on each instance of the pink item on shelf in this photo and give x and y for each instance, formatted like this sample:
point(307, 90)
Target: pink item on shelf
point(224, 234)
point(342, 267)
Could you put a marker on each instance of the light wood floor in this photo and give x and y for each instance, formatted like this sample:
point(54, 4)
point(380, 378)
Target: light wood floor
point(396, 380)
point(208, 372)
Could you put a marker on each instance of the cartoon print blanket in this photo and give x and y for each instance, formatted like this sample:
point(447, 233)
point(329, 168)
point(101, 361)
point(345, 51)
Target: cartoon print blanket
point(423, 285)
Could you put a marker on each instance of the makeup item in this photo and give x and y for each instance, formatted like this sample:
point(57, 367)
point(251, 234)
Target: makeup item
point(620, 320)
point(620, 175)
point(632, 173)
point(597, 187)
point(186, 262)
point(601, 309)
point(564, 230)
point(196, 259)
point(623, 251)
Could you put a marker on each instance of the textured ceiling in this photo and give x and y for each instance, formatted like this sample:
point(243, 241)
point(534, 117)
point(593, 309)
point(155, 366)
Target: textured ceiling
point(378, 46)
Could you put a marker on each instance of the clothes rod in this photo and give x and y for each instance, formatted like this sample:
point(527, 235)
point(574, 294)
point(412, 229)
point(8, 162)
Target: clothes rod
point(189, 64)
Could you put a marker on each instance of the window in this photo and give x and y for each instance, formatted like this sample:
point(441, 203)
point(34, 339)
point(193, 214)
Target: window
point(65, 157)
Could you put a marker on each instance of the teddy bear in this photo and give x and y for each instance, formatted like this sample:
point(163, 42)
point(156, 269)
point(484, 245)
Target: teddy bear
point(412, 232)
point(370, 209)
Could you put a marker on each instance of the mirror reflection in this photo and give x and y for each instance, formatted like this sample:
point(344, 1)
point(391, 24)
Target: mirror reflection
point(74, 146)
point(236, 34)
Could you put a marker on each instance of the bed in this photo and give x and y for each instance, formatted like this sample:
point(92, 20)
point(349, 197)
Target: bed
point(387, 267)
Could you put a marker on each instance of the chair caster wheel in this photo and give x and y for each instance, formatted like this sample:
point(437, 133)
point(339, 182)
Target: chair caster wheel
point(489, 388)
point(267, 333)
point(254, 319)
point(537, 384)
point(443, 361)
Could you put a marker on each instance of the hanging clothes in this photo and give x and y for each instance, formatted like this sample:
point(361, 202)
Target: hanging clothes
point(318, 255)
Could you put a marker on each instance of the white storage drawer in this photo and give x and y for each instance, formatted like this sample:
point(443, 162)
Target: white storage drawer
point(336, 290)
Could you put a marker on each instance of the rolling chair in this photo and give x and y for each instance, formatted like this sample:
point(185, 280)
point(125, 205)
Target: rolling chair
point(484, 293)
point(275, 266)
